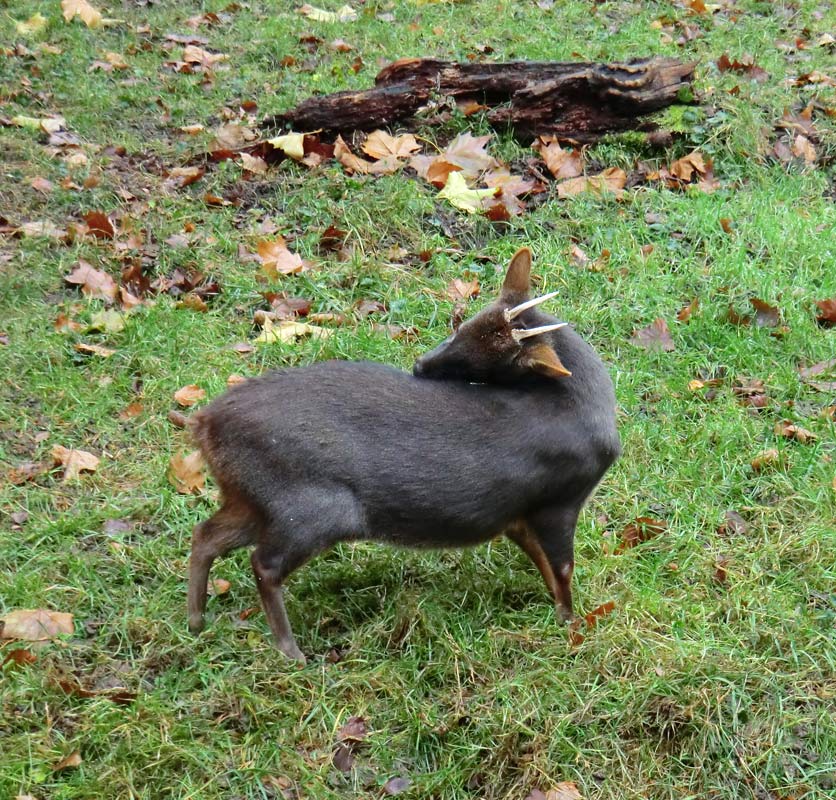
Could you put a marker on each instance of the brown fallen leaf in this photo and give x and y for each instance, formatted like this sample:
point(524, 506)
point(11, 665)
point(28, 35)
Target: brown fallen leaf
point(611, 180)
point(74, 461)
point(766, 459)
point(35, 625)
point(93, 282)
point(746, 67)
point(565, 790)
point(353, 163)
point(99, 224)
point(43, 227)
point(562, 163)
point(20, 657)
point(821, 368)
point(189, 395)
point(460, 289)
point(380, 144)
point(219, 586)
point(276, 259)
point(349, 737)
point(254, 164)
point(789, 430)
point(684, 314)
point(71, 761)
point(827, 312)
point(395, 786)
point(733, 523)
point(766, 316)
point(187, 472)
point(94, 349)
point(40, 184)
point(640, 530)
point(656, 336)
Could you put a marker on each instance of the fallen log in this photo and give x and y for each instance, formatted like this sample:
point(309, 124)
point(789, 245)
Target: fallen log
point(580, 101)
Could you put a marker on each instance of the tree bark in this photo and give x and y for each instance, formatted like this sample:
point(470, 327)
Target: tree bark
point(580, 101)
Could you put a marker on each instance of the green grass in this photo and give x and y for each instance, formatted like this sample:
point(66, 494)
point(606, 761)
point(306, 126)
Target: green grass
point(691, 688)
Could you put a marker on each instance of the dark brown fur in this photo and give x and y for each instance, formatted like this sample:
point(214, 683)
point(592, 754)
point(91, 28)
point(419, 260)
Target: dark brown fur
point(489, 436)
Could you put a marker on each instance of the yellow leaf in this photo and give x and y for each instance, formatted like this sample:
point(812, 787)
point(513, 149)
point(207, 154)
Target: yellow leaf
point(90, 16)
point(344, 14)
point(74, 461)
point(291, 144)
point(288, 331)
point(35, 24)
point(462, 196)
point(45, 124)
point(35, 625)
point(612, 179)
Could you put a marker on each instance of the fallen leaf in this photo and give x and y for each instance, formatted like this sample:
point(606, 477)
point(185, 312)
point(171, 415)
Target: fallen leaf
point(460, 195)
point(254, 164)
point(94, 349)
point(45, 124)
point(25, 471)
point(343, 14)
point(395, 786)
point(733, 523)
point(189, 395)
point(803, 148)
point(89, 15)
point(566, 790)
point(827, 312)
point(380, 144)
point(35, 24)
point(460, 289)
point(612, 180)
point(192, 54)
point(684, 168)
point(181, 177)
point(99, 224)
point(655, 336)
point(684, 314)
point(219, 586)
point(94, 283)
point(640, 530)
point(35, 625)
point(276, 259)
point(349, 736)
point(354, 163)
point(817, 369)
point(288, 331)
point(468, 153)
point(291, 144)
point(232, 136)
point(766, 316)
point(561, 163)
point(108, 320)
point(746, 67)
point(20, 657)
point(71, 761)
point(40, 184)
point(42, 228)
point(789, 430)
point(720, 569)
point(74, 461)
point(766, 459)
point(187, 472)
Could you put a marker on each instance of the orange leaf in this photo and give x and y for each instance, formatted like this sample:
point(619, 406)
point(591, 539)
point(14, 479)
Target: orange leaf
point(187, 472)
point(189, 395)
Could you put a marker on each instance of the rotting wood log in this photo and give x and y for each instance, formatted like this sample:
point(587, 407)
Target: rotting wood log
point(572, 100)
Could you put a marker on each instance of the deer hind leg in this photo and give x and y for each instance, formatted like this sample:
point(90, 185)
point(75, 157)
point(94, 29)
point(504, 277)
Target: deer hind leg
point(234, 525)
point(548, 540)
point(306, 521)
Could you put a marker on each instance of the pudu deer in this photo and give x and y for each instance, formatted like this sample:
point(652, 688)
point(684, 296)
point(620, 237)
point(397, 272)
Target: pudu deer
point(504, 428)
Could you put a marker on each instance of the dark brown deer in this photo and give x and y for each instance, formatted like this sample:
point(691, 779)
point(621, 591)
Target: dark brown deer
point(506, 427)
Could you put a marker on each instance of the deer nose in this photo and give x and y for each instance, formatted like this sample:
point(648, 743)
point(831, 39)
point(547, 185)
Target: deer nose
point(418, 369)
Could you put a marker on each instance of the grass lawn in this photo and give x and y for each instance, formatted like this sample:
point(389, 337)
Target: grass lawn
point(714, 676)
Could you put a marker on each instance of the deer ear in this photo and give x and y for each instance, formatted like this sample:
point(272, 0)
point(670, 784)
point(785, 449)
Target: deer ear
point(518, 278)
point(543, 359)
